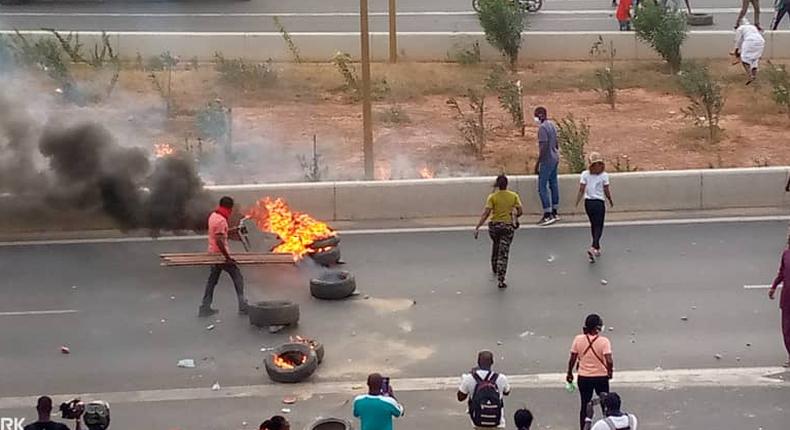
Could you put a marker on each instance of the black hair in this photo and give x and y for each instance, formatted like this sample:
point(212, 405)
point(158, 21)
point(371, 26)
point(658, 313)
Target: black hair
point(276, 422)
point(541, 112)
point(611, 403)
point(523, 419)
point(592, 322)
point(501, 182)
point(226, 202)
point(44, 404)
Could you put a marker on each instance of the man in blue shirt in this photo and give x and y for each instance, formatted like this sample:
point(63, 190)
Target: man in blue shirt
point(376, 409)
point(547, 166)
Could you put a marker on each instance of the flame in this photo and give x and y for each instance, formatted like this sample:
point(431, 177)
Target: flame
point(282, 363)
point(296, 230)
point(427, 173)
point(163, 150)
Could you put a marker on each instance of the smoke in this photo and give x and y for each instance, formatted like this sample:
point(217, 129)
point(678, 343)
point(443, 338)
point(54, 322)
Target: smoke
point(83, 167)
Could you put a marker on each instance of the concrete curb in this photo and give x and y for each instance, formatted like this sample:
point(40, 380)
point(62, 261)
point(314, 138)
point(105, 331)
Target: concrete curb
point(414, 46)
point(464, 197)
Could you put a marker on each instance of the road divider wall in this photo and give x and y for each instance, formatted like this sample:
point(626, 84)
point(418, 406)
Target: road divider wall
point(457, 197)
point(414, 46)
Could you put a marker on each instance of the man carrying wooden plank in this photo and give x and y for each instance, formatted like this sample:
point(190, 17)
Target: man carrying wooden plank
point(218, 244)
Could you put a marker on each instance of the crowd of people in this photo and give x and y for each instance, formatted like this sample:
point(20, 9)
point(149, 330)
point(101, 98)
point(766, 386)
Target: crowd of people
point(625, 10)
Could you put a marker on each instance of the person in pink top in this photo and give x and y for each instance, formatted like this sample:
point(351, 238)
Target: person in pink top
point(591, 354)
point(218, 244)
point(784, 300)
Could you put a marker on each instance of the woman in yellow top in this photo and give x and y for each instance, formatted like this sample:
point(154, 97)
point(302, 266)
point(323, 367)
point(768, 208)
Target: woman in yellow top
point(504, 208)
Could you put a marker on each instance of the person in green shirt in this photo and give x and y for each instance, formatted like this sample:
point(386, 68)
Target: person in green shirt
point(504, 208)
point(376, 409)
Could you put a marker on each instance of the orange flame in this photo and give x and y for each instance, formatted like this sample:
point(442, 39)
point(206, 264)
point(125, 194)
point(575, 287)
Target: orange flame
point(282, 363)
point(163, 150)
point(296, 230)
point(427, 173)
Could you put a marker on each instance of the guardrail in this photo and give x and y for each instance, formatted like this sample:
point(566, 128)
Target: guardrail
point(455, 197)
point(414, 46)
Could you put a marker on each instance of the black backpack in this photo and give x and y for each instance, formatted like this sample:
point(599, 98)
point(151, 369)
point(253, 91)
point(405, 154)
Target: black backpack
point(485, 405)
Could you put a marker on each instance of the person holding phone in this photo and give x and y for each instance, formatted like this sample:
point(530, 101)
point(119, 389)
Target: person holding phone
point(591, 354)
point(376, 409)
point(504, 208)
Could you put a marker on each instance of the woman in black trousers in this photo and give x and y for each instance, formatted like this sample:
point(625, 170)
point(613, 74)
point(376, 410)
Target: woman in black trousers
point(594, 188)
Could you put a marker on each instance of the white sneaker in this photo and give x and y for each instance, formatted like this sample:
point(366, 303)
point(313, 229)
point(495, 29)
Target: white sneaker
point(591, 255)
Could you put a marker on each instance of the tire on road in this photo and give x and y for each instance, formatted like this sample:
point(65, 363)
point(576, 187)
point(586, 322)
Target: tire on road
point(273, 313)
point(330, 424)
point(298, 373)
point(318, 347)
point(334, 285)
point(327, 258)
point(476, 5)
point(325, 243)
point(700, 19)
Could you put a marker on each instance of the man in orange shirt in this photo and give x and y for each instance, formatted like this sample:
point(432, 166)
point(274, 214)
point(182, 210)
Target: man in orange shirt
point(218, 244)
point(591, 354)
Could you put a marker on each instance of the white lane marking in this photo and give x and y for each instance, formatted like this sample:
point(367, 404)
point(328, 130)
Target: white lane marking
point(580, 224)
point(651, 379)
point(758, 287)
point(308, 14)
point(29, 313)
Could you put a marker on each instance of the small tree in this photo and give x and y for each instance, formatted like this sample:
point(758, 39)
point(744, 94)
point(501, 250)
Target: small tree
point(664, 30)
point(572, 137)
point(472, 125)
point(605, 76)
point(780, 85)
point(510, 95)
point(503, 22)
point(289, 42)
point(705, 94)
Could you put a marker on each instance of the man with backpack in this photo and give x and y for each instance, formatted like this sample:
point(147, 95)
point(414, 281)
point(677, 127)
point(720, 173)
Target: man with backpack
point(484, 390)
point(613, 419)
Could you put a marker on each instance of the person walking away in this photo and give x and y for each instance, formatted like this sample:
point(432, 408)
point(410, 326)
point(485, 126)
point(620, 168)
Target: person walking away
point(614, 418)
point(547, 167)
point(523, 419)
point(784, 301)
point(218, 244)
point(749, 47)
point(485, 391)
point(44, 422)
point(745, 8)
point(276, 422)
point(376, 409)
point(624, 15)
point(594, 188)
point(591, 354)
point(504, 208)
point(782, 8)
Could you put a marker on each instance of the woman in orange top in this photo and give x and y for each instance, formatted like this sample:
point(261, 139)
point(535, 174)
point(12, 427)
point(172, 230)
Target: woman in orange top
point(591, 354)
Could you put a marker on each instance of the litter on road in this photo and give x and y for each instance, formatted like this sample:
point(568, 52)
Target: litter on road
point(186, 363)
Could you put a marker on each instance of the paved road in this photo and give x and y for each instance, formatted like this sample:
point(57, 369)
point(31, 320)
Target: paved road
point(318, 16)
point(127, 333)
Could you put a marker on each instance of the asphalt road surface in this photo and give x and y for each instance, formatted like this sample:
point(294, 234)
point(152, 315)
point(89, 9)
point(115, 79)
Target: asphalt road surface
point(320, 16)
point(431, 305)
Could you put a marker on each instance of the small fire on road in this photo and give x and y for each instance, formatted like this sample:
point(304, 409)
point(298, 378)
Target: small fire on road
point(289, 360)
point(296, 230)
point(163, 150)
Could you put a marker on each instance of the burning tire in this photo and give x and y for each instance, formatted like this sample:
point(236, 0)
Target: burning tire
point(273, 313)
point(291, 363)
point(317, 346)
point(335, 285)
point(327, 257)
point(330, 424)
point(325, 243)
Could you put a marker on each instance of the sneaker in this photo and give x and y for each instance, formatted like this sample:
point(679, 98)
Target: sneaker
point(591, 255)
point(547, 219)
point(204, 311)
point(502, 285)
point(555, 215)
point(597, 252)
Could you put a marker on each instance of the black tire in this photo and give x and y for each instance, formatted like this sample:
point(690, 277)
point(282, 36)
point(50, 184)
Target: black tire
point(700, 19)
point(276, 312)
point(476, 5)
point(532, 6)
point(297, 374)
point(324, 243)
point(327, 258)
point(330, 424)
point(334, 285)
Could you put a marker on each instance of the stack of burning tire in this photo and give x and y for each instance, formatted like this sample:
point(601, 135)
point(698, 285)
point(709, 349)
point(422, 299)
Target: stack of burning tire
point(294, 361)
point(325, 251)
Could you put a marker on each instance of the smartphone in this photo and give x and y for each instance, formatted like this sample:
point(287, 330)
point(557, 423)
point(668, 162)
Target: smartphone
point(385, 386)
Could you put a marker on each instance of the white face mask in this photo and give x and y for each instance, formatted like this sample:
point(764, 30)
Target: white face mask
point(537, 120)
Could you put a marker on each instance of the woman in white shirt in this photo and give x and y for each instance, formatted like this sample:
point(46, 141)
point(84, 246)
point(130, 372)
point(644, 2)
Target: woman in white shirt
point(749, 47)
point(594, 188)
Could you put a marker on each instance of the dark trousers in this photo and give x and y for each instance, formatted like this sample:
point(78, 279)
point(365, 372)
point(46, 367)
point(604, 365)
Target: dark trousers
point(596, 212)
point(501, 237)
point(213, 278)
point(786, 329)
point(779, 15)
point(588, 384)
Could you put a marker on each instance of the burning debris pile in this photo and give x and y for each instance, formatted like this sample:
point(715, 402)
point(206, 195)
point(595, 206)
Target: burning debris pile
point(57, 167)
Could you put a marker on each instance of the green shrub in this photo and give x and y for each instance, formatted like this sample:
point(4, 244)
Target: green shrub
point(664, 30)
point(572, 137)
point(780, 85)
point(605, 76)
point(379, 88)
point(472, 124)
point(705, 94)
point(241, 74)
point(468, 56)
point(288, 40)
point(509, 94)
point(503, 22)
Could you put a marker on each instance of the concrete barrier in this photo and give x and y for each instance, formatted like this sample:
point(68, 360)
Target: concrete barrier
point(455, 197)
point(414, 46)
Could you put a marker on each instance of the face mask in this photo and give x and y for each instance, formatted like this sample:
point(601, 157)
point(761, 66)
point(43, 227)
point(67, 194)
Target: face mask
point(537, 120)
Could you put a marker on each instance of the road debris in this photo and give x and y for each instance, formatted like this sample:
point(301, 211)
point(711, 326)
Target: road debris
point(550, 259)
point(210, 327)
point(458, 293)
point(65, 350)
point(611, 328)
point(526, 333)
point(172, 297)
point(215, 387)
point(285, 410)
point(186, 363)
point(604, 282)
point(718, 356)
point(276, 328)
point(163, 320)
point(684, 318)
point(289, 400)
point(499, 342)
point(73, 287)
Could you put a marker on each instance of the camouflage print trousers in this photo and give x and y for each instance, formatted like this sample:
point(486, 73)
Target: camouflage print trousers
point(501, 236)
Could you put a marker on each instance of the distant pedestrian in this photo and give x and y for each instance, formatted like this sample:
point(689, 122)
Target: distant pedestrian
point(745, 8)
point(276, 422)
point(485, 391)
point(591, 355)
point(547, 167)
point(749, 47)
point(614, 418)
point(523, 419)
point(594, 188)
point(504, 208)
point(376, 409)
point(624, 15)
point(783, 277)
point(218, 232)
point(782, 8)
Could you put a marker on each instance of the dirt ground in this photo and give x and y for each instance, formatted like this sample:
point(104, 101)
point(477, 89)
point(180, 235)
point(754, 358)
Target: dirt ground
point(416, 134)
